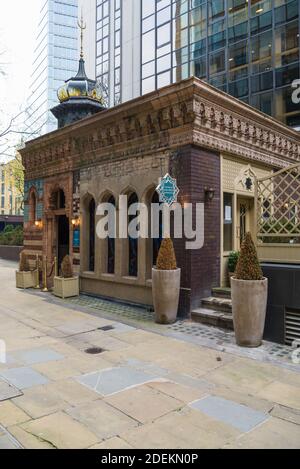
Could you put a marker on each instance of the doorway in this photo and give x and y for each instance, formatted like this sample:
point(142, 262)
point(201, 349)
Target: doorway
point(63, 238)
point(244, 219)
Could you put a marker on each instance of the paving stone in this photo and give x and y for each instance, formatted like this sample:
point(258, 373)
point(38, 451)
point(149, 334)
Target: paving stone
point(62, 369)
point(114, 380)
point(72, 328)
point(143, 403)
point(23, 378)
point(71, 391)
point(38, 402)
point(238, 416)
point(273, 434)
point(27, 440)
point(283, 394)
point(34, 356)
point(284, 413)
point(178, 391)
point(181, 430)
point(242, 374)
point(112, 443)
point(8, 391)
point(6, 442)
point(147, 366)
point(10, 414)
point(61, 431)
point(102, 419)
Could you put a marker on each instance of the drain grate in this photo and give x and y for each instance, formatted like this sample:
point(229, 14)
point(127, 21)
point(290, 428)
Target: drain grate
point(292, 326)
point(94, 350)
point(106, 328)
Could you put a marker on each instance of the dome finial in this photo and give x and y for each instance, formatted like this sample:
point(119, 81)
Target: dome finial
point(82, 27)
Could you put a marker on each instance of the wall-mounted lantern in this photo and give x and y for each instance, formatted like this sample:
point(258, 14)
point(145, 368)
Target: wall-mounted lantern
point(76, 222)
point(38, 223)
point(209, 194)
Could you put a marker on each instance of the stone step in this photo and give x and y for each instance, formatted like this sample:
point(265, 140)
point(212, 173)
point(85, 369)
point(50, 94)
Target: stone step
point(213, 318)
point(222, 292)
point(223, 305)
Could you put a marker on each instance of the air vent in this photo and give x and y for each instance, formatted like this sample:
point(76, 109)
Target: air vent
point(292, 326)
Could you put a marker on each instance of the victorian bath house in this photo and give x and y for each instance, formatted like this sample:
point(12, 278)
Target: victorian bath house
point(215, 146)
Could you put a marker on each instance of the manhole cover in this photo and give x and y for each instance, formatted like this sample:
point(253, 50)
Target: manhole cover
point(94, 350)
point(105, 328)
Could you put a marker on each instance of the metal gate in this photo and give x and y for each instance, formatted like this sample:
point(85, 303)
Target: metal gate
point(278, 216)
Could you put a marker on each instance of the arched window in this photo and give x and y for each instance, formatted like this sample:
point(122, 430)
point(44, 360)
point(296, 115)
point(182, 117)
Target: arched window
point(32, 207)
point(111, 245)
point(58, 199)
point(132, 242)
point(156, 242)
point(61, 199)
point(91, 227)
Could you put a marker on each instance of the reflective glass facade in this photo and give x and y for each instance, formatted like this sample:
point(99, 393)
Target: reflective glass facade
point(55, 60)
point(108, 49)
point(249, 49)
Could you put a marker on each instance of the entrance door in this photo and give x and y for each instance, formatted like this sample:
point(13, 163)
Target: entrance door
point(63, 241)
point(245, 213)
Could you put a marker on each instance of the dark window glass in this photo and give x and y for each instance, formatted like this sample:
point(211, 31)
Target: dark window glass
point(287, 12)
point(287, 111)
point(287, 75)
point(132, 242)
point(262, 22)
point(262, 82)
point(228, 222)
point(239, 88)
point(92, 212)
point(217, 62)
point(263, 102)
point(111, 246)
point(217, 36)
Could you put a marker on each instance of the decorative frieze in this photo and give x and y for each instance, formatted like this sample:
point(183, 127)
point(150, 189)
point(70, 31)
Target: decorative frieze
point(147, 126)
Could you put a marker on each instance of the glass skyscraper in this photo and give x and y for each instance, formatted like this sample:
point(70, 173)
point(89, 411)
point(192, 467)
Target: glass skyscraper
point(55, 60)
point(247, 48)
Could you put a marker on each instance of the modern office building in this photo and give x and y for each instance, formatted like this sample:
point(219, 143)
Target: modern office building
point(55, 60)
point(248, 48)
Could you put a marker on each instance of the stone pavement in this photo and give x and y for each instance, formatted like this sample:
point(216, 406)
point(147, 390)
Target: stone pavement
point(140, 386)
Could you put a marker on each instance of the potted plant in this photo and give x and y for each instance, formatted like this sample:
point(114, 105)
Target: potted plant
point(67, 285)
point(166, 284)
point(25, 278)
point(249, 292)
point(232, 262)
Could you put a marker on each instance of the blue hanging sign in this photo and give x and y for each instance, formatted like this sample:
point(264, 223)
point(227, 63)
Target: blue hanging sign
point(76, 238)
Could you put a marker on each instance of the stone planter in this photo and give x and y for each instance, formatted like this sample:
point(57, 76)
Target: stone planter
point(165, 292)
point(25, 279)
point(66, 287)
point(249, 306)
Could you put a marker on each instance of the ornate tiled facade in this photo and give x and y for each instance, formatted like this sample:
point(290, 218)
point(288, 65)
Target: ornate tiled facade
point(189, 130)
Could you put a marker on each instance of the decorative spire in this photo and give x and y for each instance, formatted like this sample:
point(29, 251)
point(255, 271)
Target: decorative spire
point(82, 27)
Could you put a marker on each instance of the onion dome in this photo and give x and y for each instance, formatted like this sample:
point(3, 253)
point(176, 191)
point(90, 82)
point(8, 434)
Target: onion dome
point(79, 97)
point(80, 86)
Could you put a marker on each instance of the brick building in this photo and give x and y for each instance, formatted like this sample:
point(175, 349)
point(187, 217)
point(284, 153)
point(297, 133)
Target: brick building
point(214, 145)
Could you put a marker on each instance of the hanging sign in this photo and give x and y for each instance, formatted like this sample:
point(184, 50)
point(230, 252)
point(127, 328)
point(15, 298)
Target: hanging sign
point(167, 190)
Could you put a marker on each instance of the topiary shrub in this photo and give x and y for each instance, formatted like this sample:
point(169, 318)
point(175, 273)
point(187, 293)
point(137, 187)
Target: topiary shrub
point(66, 267)
point(248, 267)
point(166, 259)
point(24, 264)
point(8, 228)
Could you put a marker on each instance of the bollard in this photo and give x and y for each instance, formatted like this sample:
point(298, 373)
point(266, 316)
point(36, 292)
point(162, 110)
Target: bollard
point(45, 289)
point(37, 286)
